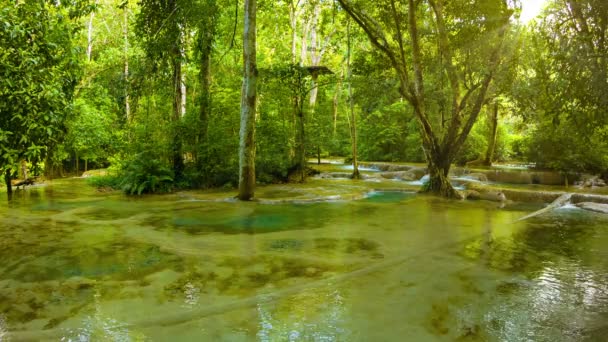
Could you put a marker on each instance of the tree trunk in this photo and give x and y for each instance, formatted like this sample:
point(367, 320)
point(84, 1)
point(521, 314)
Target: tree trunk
point(248, 108)
point(7, 181)
point(77, 165)
point(293, 21)
point(318, 155)
point(183, 92)
point(205, 76)
point(178, 158)
point(86, 165)
point(24, 169)
point(304, 47)
point(439, 183)
point(351, 106)
point(314, 57)
point(493, 134)
point(301, 140)
point(90, 36)
point(182, 76)
point(126, 58)
point(335, 107)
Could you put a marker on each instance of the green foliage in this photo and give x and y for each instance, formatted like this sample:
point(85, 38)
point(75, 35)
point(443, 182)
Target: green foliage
point(564, 149)
point(562, 87)
point(39, 72)
point(474, 148)
point(146, 174)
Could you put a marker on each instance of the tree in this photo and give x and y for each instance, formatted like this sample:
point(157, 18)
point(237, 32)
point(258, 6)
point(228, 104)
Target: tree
point(39, 69)
point(248, 103)
point(163, 25)
point(207, 26)
point(424, 40)
point(562, 87)
point(351, 106)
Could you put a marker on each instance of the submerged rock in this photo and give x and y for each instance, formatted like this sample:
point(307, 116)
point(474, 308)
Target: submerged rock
point(592, 206)
point(490, 195)
point(328, 175)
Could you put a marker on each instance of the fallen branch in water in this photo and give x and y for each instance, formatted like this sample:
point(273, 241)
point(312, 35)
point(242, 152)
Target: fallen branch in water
point(560, 201)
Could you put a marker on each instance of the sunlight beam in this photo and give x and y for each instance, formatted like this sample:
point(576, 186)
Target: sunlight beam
point(531, 9)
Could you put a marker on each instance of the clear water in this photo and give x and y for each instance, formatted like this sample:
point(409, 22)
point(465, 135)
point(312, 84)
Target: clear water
point(391, 266)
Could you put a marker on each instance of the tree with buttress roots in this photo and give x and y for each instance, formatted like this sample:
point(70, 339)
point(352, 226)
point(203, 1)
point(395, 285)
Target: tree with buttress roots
point(445, 54)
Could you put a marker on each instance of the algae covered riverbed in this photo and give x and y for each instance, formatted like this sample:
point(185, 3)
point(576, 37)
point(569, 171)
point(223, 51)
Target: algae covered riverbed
point(329, 260)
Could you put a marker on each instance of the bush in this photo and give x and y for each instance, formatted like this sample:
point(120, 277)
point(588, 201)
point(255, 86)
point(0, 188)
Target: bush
point(145, 174)
point(112, 182)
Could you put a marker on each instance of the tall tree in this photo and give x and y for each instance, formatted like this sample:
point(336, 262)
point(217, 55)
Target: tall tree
point(163, 26)
point(207, 27)
point(489, 156)
point(351, 104)
point(248, 103)
point(442, 46)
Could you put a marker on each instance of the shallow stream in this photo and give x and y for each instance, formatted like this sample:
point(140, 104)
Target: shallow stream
point(76, 264)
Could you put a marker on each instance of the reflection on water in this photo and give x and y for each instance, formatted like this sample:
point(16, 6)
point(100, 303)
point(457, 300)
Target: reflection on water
point(77, 265)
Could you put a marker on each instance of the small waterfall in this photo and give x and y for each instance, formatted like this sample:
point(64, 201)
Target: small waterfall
point(421, 181)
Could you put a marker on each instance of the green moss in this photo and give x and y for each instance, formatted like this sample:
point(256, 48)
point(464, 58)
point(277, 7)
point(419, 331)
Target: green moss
point(195, 278)
point(361, 245)
point(326, 243)
point(286, 245)
point(439, 315)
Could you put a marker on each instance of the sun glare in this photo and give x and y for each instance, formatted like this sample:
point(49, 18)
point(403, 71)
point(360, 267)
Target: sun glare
point(531, 9)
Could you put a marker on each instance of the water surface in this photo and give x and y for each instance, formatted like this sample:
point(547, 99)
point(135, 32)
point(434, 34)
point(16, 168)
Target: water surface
point(391, 266)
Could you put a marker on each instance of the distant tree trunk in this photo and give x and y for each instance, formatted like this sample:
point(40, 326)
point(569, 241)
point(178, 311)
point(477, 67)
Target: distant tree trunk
point(86, 165)
point(492, 143)
point(77, 164)
point(182, 78)
point(293, 22)
point(301, 139)
point(248, 103)
point(90, 36)
point(315, 57)
point(335, 105)
point(24, 168)
point(183, 92)
point(304, 47)
point(318, 155)
point(205, 77)
point(351, 105)
point(178, 158)
point(126, 58)
point(7, 181)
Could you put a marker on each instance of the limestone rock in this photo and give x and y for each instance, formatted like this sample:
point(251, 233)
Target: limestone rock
point(496, 196)
point(592, 206)
point(418, 172)
point(400, 175)
point(477, 176)
point(472, 195)
point(591, 182)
